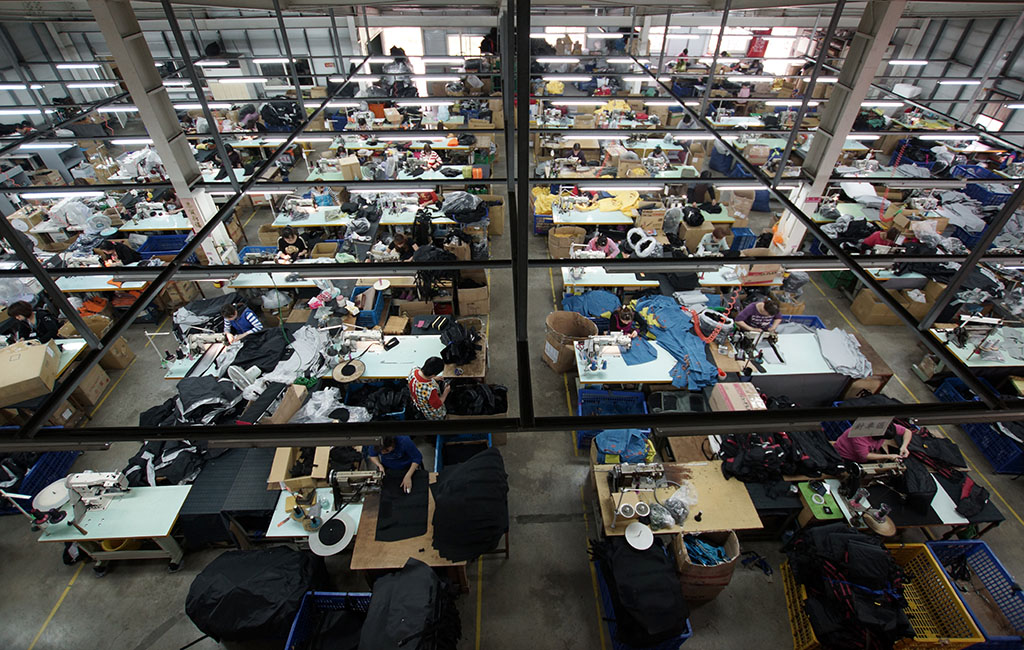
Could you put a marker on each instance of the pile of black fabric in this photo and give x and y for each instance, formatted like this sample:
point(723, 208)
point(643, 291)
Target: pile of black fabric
point(171, 462)
point(856, 231)
point(471, 506)
point(766, 457)
point(461, 343)
point(389, 397)
point(412, 609)
point(470, 397)
point(470, 215)
point(647, 603)
point(263, 349)
point(854, 588)
point(253, 595)
point(202, 400)
point(13, 468)
point(941, 456)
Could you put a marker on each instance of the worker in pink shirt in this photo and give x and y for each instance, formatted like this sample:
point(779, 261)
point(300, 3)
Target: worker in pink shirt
point(875, 449)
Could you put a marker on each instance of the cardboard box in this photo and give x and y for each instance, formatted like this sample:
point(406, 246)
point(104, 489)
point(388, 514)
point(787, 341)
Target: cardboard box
point(26, 217)
point(693, 234)
point(736, 396)
point(325, 249)
point(788, 306)
point(870, 311)
point(98, 324)
point(928, 367)
point(563, 329)
point(650, 220)
point(268, 235)
point(393, 115)
point(703, 583)
point(477, 123)
point(584, 122)
point(917, 309)
point(881, 373)
point(119, 356)
point(27, 370)
point(495, 214)
point(758, 274)
point(631, 169)
point(414, 307)
point(396, 325)
point(176, 294)
point(67, 415)
point(281, 469)
point(561, 239)
point(91, 389)
point(291, 401)
point(475, 300)
point(349, 169)
point(300, 316)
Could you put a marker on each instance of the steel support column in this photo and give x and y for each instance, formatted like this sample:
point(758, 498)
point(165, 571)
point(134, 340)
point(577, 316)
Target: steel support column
point(128, 45)
point(866, 53)
point(714, 59)
point(519, 223)
point(291, 59)
point(997, 57)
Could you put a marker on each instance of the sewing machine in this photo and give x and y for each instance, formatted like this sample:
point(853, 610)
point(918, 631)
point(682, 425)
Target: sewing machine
point(349, 486)
point(91, 490)
point(198, 342)
point(635, 476)
point(146, 209)
point(380, 252)
point(653, 164)
point(567, 201)
point(973, 326)
point(592, 348)
point(925, 202)
point(345, 344)
point(866, 165)
point(580, 252)
point(747, 346)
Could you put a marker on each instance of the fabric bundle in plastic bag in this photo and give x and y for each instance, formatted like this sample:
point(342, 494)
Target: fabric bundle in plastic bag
point(411, 609)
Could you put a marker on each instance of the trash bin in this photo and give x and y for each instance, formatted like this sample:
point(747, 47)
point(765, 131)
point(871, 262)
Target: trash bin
point(563, 329)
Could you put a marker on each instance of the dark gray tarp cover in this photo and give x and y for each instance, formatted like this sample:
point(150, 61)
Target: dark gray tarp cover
point(411, 610)
point(471, 506)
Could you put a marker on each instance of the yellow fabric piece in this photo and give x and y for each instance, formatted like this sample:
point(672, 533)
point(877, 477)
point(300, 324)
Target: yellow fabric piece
point(543, 199)
point(613, 105)
point(619, 202)
point(555, 87)
point(651, 453)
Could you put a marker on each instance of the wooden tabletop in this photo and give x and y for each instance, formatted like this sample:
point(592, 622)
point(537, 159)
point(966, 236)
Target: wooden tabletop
point(368, 554)
point(722, 504)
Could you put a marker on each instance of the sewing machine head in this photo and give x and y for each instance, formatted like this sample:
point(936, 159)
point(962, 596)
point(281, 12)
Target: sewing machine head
point(626, 476)
point(927, 201)
point(580, 252)
point(349, 485)
point(593, 347)
point(144, 209)
point(867, 165)
point(95, 490)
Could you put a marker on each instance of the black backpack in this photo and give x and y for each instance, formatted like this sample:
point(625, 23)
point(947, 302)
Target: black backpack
point(917, 485)
point(460, 344)
point(692, 217)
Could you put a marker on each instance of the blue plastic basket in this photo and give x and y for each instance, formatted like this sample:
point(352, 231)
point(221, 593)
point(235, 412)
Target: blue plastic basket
point(313, 604)
point(1002, 588)
point(255, 249)
point(369, 317)
point(164, 245)
point(608, 612)
point(970, 239)
point(1005, 455)
point(809, 321)
point(742, 239)
point(51, 466)
point(976, 191)
point(835, 428)
point(441, 441)
point(592, 401)
point(720, 162)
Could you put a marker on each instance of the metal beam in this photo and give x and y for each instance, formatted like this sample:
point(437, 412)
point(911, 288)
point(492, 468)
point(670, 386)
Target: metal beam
point(714, 59)
point(997, 57)
point(519, 201)
point(291, 60)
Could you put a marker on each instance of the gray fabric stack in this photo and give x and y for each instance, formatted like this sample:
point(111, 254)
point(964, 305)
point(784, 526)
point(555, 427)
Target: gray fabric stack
point(842, 351)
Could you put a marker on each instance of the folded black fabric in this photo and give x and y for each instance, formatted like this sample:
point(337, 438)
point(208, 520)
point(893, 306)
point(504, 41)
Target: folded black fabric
point(471, 506)
point(411, 609)
point(402, 515)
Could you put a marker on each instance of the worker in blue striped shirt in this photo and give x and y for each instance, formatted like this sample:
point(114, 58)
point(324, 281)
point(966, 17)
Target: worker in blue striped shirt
point(239, 324)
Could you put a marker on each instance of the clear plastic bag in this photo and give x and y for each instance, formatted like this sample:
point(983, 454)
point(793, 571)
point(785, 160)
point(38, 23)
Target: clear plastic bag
point(661, 517)
point(275, 299)
point(682, 502)
point(324, 402)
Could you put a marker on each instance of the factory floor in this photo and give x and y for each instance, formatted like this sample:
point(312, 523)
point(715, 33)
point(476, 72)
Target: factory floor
point(543, 597)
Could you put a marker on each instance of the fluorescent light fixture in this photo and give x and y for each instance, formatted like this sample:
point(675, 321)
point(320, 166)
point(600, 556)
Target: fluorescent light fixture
point(425, 102)
point(605, 35)
point(20, 87)
point(131, 141)
point(789, 102)
point(198, 107)
point(960, 82)
point(355, 77)
point(45, 145)
point(661, 102)
point(212, 63)
point(730, 137)
point(301, 139)
point(643, 77)
point(1015, 106)
point(863, 136)
point(92, 84)
point(20, 111)
point(560, 59)
point(786, 187)
point(823, 80)
point(746, 187)
point(880, 104)
point(614, 137)
point(177, 82)
point(343, 104)
point(443, 60)
point(907, 62)
point(685, 37)
point(412, 190)
point(77, 66)
point(118, 109)
point(568, 77)
point(754, 78)
point(691, 103)
point(436, 77)
point(381, 59)
point(621, 188)
point(267, 192)
point(546, 34)
point(409, 138)
point(624, 59)
point(948, 136)
point(60, 195)
point(577, 102)
point(241, 80)
point(282, 60)
point(703, 136)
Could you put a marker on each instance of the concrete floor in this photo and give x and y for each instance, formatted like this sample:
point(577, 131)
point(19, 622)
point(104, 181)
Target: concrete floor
point(543, 597)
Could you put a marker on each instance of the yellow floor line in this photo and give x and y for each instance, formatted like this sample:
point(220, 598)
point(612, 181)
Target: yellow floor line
point(977, 472)
point(249, 219)
point(110, 391)
point(35, 640)
point(479, 598)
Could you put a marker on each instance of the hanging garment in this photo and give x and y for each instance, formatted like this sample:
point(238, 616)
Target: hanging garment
point(471, 506)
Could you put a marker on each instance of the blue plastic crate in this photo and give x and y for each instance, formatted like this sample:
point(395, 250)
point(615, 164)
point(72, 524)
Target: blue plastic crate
point(592, 401)
point(608, 613)
point(742, 239)
point(1005, 455)
point(313, 604)
point(440, 442)
point(809, 321)
point(255, 249)
point(970, 239)
point(720, 162)
point(51, 466)
point(976, 191)
point(369, 317)
point(165, 245)
point(835, 428)
point(1002, 588)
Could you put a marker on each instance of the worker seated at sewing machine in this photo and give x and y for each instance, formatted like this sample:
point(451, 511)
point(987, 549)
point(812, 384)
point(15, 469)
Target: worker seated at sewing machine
point(290, 246)
point(239, 324)
point(873, 449)
point(430, 158)
point(657, 161)
point(114, 253)
point(624, 320)
point(714, 242)
point(321, 196)
point(880, 238)
point(605, 244)
point(402, 246)
point(29, 323)
point(397, 454)
point(762, 316)
point(577, 155)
